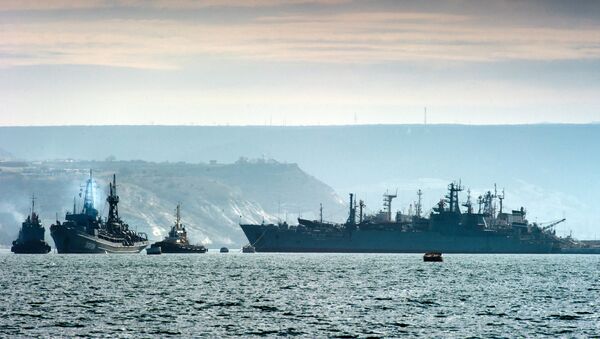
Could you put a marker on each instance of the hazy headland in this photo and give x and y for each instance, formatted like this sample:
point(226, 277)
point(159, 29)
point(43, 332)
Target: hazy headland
point(550, 169)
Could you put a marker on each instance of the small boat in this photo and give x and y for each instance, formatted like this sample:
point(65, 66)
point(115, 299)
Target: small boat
point(153, 250)
point(433, 257)
point(31, 235)
point(224, 250)
point(248, 249)
point(177, 240)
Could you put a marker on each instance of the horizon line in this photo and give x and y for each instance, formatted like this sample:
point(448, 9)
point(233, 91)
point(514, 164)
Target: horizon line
point(315, 125)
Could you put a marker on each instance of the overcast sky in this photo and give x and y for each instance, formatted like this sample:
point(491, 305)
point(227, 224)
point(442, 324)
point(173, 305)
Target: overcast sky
point(297, 62)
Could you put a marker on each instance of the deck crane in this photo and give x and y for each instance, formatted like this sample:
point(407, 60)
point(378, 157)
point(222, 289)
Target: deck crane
point(552, 224)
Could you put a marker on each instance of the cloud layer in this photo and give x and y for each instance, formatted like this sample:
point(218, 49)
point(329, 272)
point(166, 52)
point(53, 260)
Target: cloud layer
point(298, 61)
point(156, 38)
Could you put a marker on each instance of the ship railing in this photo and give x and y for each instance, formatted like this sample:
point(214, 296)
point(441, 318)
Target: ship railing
point(109, 238)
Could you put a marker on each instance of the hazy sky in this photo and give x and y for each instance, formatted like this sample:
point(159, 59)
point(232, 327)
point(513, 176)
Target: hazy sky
point(298, 62)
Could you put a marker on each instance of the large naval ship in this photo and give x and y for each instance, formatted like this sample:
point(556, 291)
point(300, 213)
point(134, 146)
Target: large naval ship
point(87, 232)
point(177, 240)
point(448, 229)
point(31, 235)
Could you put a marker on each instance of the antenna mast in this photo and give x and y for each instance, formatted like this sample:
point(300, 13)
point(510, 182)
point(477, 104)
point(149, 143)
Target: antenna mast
point(321, 213)
point(361, 205)
point(352, 214)
point(501, 198)
point(32, 205)
point(387, 204)
point(178, 216)
point(452, 196)
point(113, 201)
point(418, 205)
point(469, 204)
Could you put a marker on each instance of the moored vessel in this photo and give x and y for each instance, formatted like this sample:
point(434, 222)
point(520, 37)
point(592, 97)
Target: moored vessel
point(31, 238)
point(86, 232)
point(447, 229)
point(433, 257)
point(177, 240)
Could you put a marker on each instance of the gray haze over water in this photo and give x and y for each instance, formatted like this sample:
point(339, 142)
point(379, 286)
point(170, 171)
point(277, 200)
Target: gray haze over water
point(325, 295)
point(549, 169)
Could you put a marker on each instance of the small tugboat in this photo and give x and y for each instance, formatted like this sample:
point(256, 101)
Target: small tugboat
point(248, 249)
point(177, 241)
point(224, 250)
point(433, 257)
point(31, 236)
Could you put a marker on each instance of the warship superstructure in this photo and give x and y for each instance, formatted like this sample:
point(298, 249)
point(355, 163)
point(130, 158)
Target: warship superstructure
point(177, 240)
point(31, 235)
point(87, 232)
point(447, 229)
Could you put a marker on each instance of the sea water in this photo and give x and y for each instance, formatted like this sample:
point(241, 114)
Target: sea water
point(307, 295)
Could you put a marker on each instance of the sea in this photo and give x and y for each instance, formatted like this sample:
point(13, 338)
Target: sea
point(305, 295)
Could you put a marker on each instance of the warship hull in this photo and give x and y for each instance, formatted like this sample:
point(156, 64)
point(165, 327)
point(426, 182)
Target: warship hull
point(267, 238)
point(30, 247)
point(69, 240)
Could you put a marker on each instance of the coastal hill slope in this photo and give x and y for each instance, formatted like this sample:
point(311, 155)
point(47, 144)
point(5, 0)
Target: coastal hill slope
point(214, 197)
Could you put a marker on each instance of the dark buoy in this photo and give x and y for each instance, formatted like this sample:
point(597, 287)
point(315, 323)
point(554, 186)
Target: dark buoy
point(224, 250)
point(433, 257)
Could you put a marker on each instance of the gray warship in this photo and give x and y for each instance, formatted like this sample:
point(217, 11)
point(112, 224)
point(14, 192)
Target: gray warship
point(87, 232)
point(446, 229)
point(31, 235)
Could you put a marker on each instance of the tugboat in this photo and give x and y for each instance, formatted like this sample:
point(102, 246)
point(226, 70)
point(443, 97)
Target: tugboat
point(177, 241)
point(31, 236)
point(86, 232)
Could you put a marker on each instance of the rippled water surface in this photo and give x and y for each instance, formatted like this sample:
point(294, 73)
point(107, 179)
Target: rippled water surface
point(323, 295)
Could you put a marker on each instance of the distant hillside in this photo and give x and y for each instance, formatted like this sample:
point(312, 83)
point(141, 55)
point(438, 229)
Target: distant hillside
point(552, 170)
point(5, 156)
point(213, 196)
